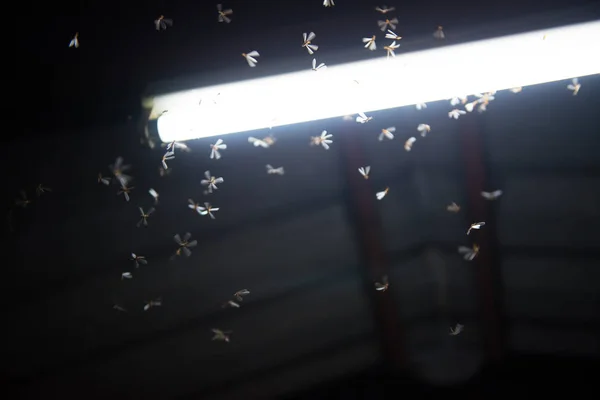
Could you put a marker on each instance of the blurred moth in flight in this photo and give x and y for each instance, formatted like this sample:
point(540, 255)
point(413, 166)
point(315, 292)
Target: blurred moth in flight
point(491, 195)
point(223, 14)
point(516, 89)
point(194, 206)
point(439, 33)
point(163, 172)
point(167, 157)
point(364, 171)
point(387, 133)
point(362, 118)
point(210, 182)
point(104, 180)
point(409, 143)
point(117, 170)
point(370, 43)
point(456, 330)
point(475, 225)
point(231, 303)
point(171, 146)
point(308, 38)
point(126, 275)
point(470, 106)
point(251, 58)
point(392, 35)
point(239, 295)
point(137, 260)
point(383, 285)
point(328, 3)
point(574, 86)
point(23, 201)
point(153, 303)
point(40, 189)
point(456, 113)
point(316, 67)
point(154, 194)
point(184, 244)
point(119, 308)
point(265, 143)
point(383, 25)
point(274, 171)
point(162, 23)
point(453, 208)
point(221, 335)
point(390, 49)
point(420, 106)
point(208, 210)
point(323, 140)
point(144, 216)
point(468, 253)
point(214, 149)
point(385, 9)
point(424, 129)
point(381, 195)
point(125, 190)
point(75, 41)
point(458, 100)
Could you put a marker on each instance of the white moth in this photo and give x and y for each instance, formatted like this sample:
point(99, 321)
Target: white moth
point(328, 3)
point(162, 23)
point(316, 67)
point(223, 14)
point(468, 253)
point(167, 157)
point(308, 38)
point(364, 171)
point(126, 275)
point(362, 118)
point(384, 9)
point(370, 43)
point(251, 58)
point(214, 149)
point(125, 190)
point(409, 143)
point(475, 225)
point(381, 195)
point(137, 260)
point(221, 335)
point(239, 295)
point(456, 330)
point(171, 146)
point(392, 35)
point(424, 129)
point(153, 303)
point(184, 244)
point(274, 171)
point(388, 133)
point(439, 33)
point(383, 285)
point(421, 106)
point(208, 210)
point(323, 140)
point(387, 23)
point(144, 216)
point(456, 113)
point(154, 194)
point(574, 86)
point(75, 41)
point(453, 208)
point(210, 181)
point(492, 195)
point(390, 49)
point(104, 180)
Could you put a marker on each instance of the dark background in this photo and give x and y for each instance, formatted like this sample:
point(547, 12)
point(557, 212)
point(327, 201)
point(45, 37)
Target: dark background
point(308, 244)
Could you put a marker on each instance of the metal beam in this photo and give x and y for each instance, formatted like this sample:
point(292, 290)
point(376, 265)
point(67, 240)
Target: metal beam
point(487, 264)
point(362, 213)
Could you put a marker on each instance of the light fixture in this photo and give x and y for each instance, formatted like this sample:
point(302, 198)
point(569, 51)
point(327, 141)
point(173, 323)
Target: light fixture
point(425, 76)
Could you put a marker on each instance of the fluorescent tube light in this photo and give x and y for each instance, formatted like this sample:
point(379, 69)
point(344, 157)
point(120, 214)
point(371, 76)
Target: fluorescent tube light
point(425, 76)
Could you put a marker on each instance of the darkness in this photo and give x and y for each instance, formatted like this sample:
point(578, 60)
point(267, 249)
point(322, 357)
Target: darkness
point(308, 245)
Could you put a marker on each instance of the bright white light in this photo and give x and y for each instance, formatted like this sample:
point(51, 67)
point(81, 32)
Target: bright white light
point(431, 75)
